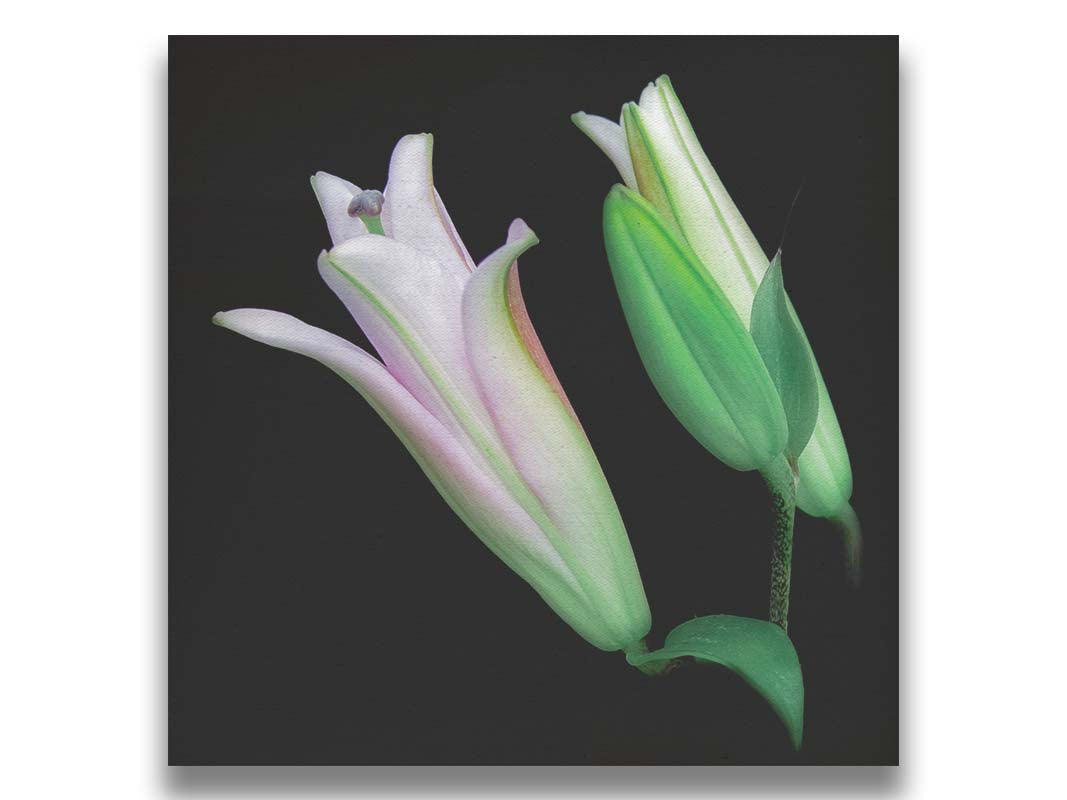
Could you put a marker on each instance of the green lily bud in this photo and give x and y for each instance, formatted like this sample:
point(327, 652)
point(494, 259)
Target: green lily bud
point(702, 360)
point(658, 155)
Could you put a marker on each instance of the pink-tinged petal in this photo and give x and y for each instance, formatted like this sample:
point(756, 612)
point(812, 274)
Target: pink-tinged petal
point(550, 450)
point(408, 305)
point(477, 497)
point(610, 138)
point(414, 212)
point(518, 231)
point(334, 194)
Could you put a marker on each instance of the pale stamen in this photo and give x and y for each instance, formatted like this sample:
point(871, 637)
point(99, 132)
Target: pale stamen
point(367, 203)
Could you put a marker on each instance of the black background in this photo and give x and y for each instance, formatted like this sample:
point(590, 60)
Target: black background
point(325, 605)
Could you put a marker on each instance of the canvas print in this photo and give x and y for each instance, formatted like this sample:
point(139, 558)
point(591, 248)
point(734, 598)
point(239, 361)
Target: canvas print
point(633, 502)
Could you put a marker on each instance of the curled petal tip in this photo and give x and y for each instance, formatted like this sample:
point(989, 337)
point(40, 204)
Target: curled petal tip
point(322, 175)
point(257, 323)
point(632, 113)
point(411, 138)
point(648, 94)
point(233, 318)
point(518, 230)
point(412, 148)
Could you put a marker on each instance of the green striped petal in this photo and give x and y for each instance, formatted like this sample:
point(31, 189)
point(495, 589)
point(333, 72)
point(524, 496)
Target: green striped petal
point(675, 175)
point(693, 344)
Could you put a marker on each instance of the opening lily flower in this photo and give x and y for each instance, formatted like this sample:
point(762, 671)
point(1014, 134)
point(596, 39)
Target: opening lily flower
point(466, 386)
point(659, 156)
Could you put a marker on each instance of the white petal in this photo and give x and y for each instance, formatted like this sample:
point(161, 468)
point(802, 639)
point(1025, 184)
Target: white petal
point(409, 306)
point(334, 194)
point(611, 138)
point(706, 215)
point(414, 212)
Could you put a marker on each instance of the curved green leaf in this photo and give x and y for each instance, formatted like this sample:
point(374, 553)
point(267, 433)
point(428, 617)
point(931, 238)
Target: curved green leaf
point(788, 358)
point(755, 649)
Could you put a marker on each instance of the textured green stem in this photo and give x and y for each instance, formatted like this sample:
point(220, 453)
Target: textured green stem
point(781, 479)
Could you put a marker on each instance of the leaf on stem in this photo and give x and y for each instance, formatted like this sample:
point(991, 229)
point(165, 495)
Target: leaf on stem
point(781, 342)
point(760, 652)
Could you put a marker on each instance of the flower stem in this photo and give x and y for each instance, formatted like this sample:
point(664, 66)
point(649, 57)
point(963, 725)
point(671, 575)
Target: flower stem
point(634, 653)
point(781, 478)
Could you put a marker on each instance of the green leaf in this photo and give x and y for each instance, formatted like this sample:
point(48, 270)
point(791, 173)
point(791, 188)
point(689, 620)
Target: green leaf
point(755, 649)
point(784, 349)
point(695, 348)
